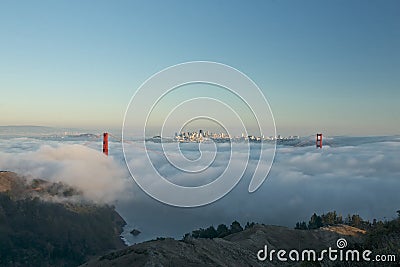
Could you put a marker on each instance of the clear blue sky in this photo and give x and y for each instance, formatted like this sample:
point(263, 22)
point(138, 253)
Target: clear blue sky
point(331, 66)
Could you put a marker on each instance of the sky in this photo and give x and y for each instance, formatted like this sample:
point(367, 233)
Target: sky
point(324, 66)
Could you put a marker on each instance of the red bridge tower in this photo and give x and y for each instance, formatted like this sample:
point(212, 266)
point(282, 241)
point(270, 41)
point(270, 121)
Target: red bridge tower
point(105, 144)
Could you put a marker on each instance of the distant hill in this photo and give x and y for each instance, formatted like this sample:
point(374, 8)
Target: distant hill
point(46, 224)
point(24, 129)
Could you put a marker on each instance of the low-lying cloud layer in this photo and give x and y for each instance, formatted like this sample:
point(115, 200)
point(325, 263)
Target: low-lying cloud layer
point(100, 179)
point(353, 176)
point(362, 179)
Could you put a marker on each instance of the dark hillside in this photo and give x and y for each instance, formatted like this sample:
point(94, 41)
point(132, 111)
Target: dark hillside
point(38, 232)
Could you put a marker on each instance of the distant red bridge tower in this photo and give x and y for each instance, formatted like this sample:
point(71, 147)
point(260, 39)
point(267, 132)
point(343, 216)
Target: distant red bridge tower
point(319, 140)
point(105, 144)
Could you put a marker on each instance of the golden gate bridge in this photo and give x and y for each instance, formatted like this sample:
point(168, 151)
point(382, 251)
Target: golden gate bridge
point(307, 141)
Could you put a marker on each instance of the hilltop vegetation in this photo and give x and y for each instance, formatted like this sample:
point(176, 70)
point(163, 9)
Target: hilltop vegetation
point(331, 218)
point(236, 249)
point(235, 245)
point(221, 231)
point(37, 232)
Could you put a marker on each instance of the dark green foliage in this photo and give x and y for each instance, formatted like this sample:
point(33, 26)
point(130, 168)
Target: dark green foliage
point(221, 231)
point(197, 233)
point(384, 235)
point(331, 218)
point(355, 220)
point(383, 238)
point(236, 227)
point(38, 233)
point(315, 222)
point(210, 232)
point(249, 225)
point(301, 226)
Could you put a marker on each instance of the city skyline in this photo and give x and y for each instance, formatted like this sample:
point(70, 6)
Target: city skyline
point(327, 67)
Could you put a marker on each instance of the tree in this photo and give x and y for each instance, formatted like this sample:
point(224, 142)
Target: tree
point(315, 222)
point(186, 237)
point(356, 220)
point(197, 233)
point(236, 227)
point(331, 218)
point(249, 225)
point(348, 220)
point(210, 232)
point(339, 220)
point(222, 230)
point(301, 226)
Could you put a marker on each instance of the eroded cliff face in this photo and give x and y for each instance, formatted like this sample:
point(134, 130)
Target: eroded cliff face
point(49, 224)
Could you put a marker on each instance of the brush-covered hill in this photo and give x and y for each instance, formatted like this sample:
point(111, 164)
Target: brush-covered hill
point(235, 246)
point(238, 249)
point(48, 224)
